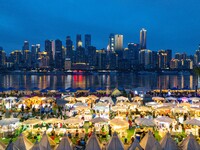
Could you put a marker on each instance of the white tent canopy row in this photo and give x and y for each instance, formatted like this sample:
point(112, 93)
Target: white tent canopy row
point(164, 119)
point(106, 100)
point(122, 99)
point(145, 122)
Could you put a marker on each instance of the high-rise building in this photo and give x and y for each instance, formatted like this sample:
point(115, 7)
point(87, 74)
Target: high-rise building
point(87, 42)
point(68, 64)
point(132, 53)
point(78, 41)
point(35, 49)
point(92, 56)
point(58, 54)
point(111, 44)
point(143, 36)
point(43, 60)
point(162, 59)
point(16, 58)
point(69, 50)
point(48, 49)
point(101, 59)
point(2, 57)
point(118, 46)
point(169, 56)
point(145, 56)
point(80, 55)
point(178, 56)
point(27, 58)
point(25, 46)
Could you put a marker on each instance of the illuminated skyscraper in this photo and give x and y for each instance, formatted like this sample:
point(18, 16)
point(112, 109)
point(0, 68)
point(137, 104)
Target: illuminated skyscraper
point(162, 59)
point(145, 56)
point(118, 42)
point(111, 44)
point(78, 41)
point(143, 35)
point(48, 49)
point(35, 49)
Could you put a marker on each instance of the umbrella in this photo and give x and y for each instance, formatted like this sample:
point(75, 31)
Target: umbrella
point(145, 122)
point(2, 89)
point(35, 88)
point(91, 90)
point(11, 88)
point(98, 120)
point(22, 89)
point(62, 90)
point(192, 122)
point(44, 91)
point(8, 121)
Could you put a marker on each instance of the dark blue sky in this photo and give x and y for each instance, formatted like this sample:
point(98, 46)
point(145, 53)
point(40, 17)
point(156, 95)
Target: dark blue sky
point(173, 24)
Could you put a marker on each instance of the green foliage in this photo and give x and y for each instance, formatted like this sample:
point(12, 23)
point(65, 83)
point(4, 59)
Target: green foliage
point(157, 136)
point(197, 71)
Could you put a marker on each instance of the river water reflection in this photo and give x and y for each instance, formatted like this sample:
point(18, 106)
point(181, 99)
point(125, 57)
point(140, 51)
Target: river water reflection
point(126, 80)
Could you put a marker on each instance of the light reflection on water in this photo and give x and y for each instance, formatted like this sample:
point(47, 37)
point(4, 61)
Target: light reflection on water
point(126, 80)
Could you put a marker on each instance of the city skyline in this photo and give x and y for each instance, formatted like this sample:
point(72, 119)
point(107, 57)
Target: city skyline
point(37, 21)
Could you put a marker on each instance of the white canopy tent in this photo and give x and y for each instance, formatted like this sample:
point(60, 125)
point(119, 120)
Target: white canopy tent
point(189, 143)
point(167, 143)
point(36, 146)
point(12, 146)
point(93, 143)
point(135, 145)
point(65, 144)
point(46, 142)
point(148, 142)
point(115, 143)
point(23, 143)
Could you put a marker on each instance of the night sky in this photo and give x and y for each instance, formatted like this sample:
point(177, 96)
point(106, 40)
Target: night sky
point(170, 24)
